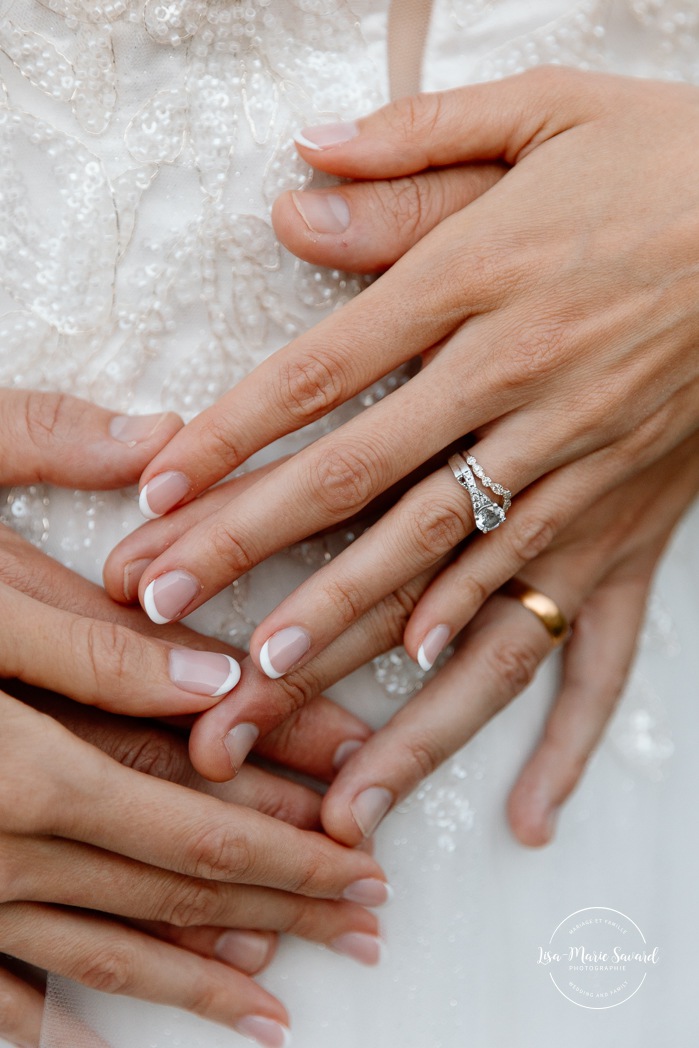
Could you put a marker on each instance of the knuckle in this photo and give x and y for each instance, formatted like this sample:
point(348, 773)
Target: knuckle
point(531, 536)
point(310, 387)
point(416, 115)
point(47, 417)
point(404, 203)
point(222, 447)
point(423, 754)
point(193, 904)
point(536, 353)
point(109, 968)
point(346, 599)
point(217, 853)
point(230, 551)
point(155, 754)
point(106, 646)
point(436, 529)
point(345, 479)
point(514, 663)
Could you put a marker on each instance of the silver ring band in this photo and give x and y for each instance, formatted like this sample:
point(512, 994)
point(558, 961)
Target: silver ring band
point(487, 513)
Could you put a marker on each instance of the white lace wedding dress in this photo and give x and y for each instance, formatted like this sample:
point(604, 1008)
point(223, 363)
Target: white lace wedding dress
point(142, 143)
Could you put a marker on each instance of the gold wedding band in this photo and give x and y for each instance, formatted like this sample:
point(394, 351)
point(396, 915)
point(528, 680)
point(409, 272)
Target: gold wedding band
point(545, 609)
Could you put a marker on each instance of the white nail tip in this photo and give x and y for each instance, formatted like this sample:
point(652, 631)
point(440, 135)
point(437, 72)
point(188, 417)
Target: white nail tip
point(306, 143)
point(150, 608)
point(144, 507)
point(422, 660)
point(231, 680)
point(266, 663)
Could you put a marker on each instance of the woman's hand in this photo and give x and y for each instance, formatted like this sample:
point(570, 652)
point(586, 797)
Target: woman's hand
point(598, 571)
point(82, 835)
point(558, 316)
point(177, 868)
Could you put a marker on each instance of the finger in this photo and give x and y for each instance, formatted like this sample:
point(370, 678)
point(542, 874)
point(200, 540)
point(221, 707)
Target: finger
point(159, 823)
point(504, 120)
point(365, 227)
point(43, 870)
point(332, 362)
point(158, 751)
point(126, 564)
point(107, 665)
point(248, 951)
point(59, 439)
point(499, 655)
point(596, 664)
point(222, 737)
point(21, 1010)
point(113, 958)
point(307, 743)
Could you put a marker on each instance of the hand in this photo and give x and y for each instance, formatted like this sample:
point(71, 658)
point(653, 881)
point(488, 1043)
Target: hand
point(180, 869)
point(558, 325)
point(598, 572)
point(145, 856)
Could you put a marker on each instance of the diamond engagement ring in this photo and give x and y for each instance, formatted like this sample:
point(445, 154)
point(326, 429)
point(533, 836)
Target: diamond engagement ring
point(487, 513)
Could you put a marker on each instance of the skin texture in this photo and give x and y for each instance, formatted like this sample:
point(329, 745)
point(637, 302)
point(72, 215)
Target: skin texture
point(168, 863)
point(551, 291)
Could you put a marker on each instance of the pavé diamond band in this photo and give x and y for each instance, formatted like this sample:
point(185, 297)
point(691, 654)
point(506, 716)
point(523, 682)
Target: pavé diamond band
point(487, 513)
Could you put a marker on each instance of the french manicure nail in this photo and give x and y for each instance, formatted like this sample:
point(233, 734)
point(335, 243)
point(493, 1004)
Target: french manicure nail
point(283, 650)
point(133, 429)
point(162, 493)
point(203, 672)
point(323, 136)
point(167, 596)
point(369, 891)
point(323, 212)
point(367, 949)
point(434, 642)
point(239, 741)
point(344, 751)
point(267, 1032)
point(244, 950)
point(369, 808)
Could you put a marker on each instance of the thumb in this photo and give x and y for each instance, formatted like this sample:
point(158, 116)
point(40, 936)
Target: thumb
point(58, 439)
point(502, 120)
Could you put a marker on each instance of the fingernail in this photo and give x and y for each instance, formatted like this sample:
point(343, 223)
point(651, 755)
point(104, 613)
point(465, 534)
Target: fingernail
point(369, 808)
point(323, 212)
point(203, 672)
point(162, 493)
point(167, 596)
point(246, 951)
point(369, 891)
point(367, 949)
point(132, 429)
point(239, 741)
point(132, 576)
point(344, 751)
point(263, 1031)
point(323, 136)
point(434, 642)
point(283, 650)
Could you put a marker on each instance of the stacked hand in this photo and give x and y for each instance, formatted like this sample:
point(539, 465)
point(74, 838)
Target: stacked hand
point(552, 294)
point(129, 882)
